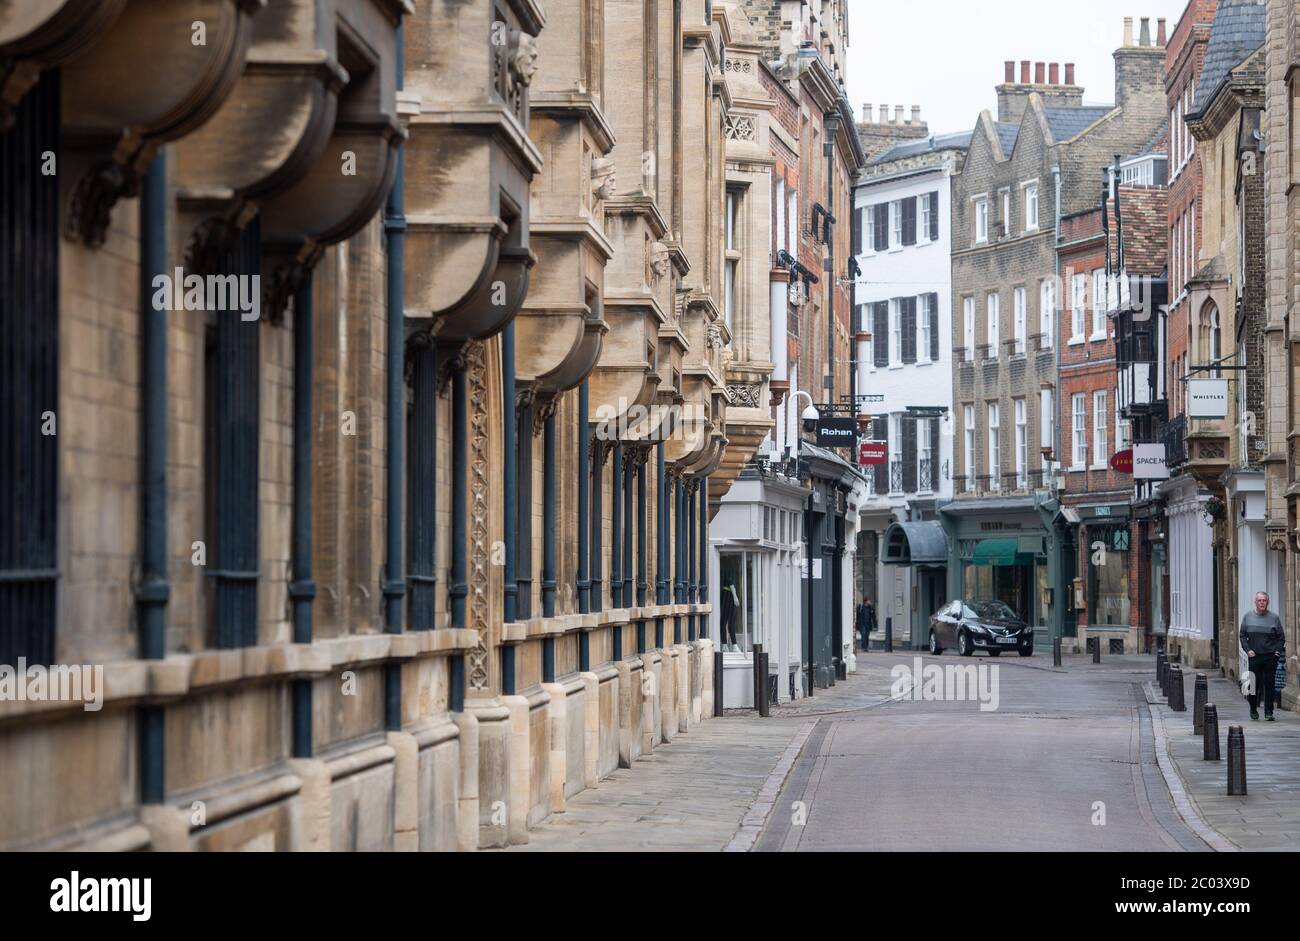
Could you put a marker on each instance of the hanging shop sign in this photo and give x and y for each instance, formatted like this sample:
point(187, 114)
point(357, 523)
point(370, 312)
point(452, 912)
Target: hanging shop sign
point(836, 432)
point(873, 453)
point(1122, 461)
point(1149, 462)
point(1207, 398)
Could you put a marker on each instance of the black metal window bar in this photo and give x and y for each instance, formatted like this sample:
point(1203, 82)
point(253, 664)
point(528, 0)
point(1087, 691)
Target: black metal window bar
point(924, 477)
point(237, 566)
point(29, 377)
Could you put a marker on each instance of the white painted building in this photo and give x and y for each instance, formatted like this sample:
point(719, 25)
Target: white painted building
point(904, 302)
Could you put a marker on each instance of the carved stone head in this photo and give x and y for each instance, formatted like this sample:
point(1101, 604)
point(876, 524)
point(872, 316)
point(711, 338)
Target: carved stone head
point(523, 56)
point(658, 263)
point(603, 180)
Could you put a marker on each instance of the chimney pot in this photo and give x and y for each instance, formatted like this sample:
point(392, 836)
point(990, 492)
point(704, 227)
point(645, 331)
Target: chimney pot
point(1010, 75)
point(884, 114)
point(1054, 74)
point(898, 114)
point(1040, 75)
point(1128, 31)
point(916, 114)
point(1024, 71)
point(1161, 38)
point(1069, 73)
point(1144, 34)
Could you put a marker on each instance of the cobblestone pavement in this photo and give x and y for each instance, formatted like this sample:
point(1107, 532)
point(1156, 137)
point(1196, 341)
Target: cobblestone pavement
point(1268, 817)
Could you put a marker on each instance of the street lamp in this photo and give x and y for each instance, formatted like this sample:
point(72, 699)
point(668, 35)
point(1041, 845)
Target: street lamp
point(809, 417)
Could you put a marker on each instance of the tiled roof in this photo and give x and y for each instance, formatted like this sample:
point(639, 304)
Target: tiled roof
point(1238, 31)
point(934, 142)
point(1068, 122)
point(1007, 134)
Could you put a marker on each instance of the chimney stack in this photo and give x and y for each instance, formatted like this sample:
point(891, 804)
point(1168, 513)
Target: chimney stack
point(898, 114)
point(1040, 73)
point(1054, 74)
point(916, 114)
point(1144, 34)
point(1024, 71)
point(1010, 76)
point(866, 114)
point(1128, 31)
point(1069, 73)
point(884, 114)
point(1161, 38)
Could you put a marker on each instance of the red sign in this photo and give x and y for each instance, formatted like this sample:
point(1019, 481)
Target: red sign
point(873, 452)
point(1122, 461)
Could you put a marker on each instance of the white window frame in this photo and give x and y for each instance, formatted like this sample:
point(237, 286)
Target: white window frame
point(1006, 212)
point(1100, 412)
point(1078, 302)
point(968, 313)
point(1020, 325)
point(981, 219)
point(968, 429)
point(895, 450)
point(781, 243)
point(895, 333)
point(1099, 302)
point(896, 229)
point(1079, 427)
point(922, 452)
point(1047, 312)
point(923, 328)
point(992, 316)
point(1022, 443)
point(995, 455)
point(1031, 206)
point(923, 219)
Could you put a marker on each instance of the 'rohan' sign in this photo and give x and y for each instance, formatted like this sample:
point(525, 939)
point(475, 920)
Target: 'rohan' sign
point(836, 432)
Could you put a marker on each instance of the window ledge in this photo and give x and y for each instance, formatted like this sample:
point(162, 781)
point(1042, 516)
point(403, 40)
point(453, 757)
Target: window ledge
point(1098, 337)
point(1076, 341)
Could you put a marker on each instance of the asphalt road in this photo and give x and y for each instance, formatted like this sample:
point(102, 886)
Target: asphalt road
point(1064, 762)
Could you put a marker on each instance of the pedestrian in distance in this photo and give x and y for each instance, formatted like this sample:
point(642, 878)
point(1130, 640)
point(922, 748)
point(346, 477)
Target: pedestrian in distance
point(1263, 640)
point(866, 620)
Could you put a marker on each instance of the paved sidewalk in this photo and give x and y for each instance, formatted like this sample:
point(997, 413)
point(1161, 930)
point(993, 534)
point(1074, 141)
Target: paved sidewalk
point(1268, 817)
point(697, 792)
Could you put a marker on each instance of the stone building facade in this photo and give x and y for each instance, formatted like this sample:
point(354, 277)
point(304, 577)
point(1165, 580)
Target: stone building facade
point(1281, 364)
point(1040, 160)
point(361, 580)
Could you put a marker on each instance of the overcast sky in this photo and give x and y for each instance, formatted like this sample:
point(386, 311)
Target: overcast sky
point(947, 55)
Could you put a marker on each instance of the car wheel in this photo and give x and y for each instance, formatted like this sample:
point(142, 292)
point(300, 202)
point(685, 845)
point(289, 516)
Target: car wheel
point(934, 644)
point(964, 646)
point(1027, 650)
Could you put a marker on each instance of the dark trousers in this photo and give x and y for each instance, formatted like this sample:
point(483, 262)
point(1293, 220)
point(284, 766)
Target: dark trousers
point(1265, 668)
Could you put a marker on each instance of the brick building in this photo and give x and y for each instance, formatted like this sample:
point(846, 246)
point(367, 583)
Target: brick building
point(1041, 159)
point(1105, 601)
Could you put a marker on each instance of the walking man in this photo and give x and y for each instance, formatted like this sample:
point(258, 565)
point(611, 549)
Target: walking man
point(1263, 640)
point(866, 620)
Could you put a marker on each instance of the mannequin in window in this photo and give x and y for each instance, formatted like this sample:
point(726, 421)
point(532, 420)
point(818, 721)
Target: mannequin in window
point(730, 602)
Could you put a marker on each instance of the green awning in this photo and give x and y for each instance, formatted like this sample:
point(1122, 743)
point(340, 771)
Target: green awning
point(1005, 551)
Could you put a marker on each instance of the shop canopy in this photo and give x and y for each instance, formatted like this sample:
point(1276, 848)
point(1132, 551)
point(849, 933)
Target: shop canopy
point(919, 543)
point(1004, 552)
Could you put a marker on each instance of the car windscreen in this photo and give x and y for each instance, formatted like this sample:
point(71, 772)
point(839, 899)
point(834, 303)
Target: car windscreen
point(993, 611)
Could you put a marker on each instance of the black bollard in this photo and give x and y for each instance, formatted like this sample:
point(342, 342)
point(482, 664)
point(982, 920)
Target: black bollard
point(757, 654)
point(1160, 664)
point(1177, 693)
point(1162, 678)
point(1236, 761)
point(763, 703)
point(1056, 651)
point(1211, 732)
point(1200, 696)
point(889, 635)
point(1096, 649)
point(717, 683)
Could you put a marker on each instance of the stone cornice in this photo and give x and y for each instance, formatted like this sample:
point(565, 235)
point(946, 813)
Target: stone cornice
point(581, 104)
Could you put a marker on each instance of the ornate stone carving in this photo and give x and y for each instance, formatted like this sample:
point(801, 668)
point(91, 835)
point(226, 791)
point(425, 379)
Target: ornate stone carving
point(713, 337)
point(523, 57)
point(740, 127)
point(1276, 539)
point(745, 394)
point(657, 263)
point(603, 178)
point(97, 191)
point(480, 468)
point(210, 240)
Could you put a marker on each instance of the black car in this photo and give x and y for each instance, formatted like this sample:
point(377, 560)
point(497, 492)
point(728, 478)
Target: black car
point(980, 625)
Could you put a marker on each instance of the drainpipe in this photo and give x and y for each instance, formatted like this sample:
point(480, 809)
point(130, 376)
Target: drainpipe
point(629, 598)
point(154, 590)
point(1058, 293)
point(679, 553)
point(584, 470)
point(831, 124)
point(642, 525)
point(391, 578)
point(458, 589)
point(510, 483)
point(705, 558)
point(692, 585)
point(597, 523)
point(548, 544)
point(661, 524)
point(616, 525)
point(302, 589)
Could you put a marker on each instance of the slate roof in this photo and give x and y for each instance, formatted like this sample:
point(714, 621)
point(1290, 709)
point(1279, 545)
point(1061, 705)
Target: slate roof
point(1155, 144)
point(1237, 32)
point(935, 142)
point(1068, 122)
point(1007, 134)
